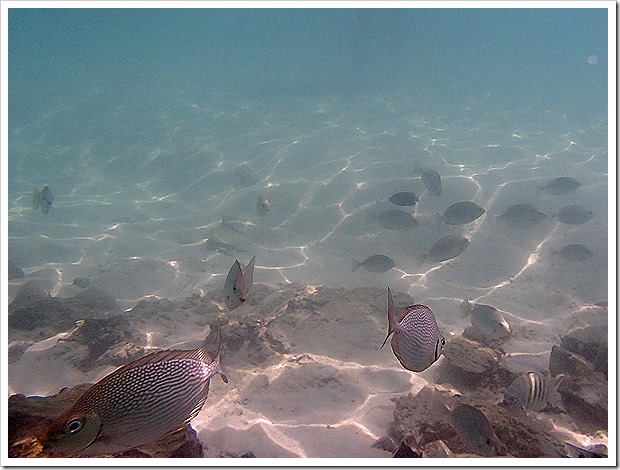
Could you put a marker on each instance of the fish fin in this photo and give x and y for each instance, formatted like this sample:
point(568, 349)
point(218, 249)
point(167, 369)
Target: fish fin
point(356, 264)
point(391, 317)
point(465, 308)
point(248, 272)
point(219, 353)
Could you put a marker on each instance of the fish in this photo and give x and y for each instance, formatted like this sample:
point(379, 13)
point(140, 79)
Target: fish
point(579, 452)
point(530, 391)
point(234, 225)
point(396, 219)
point(522, 216)
point(42, 199)
point(575, 252)
point(486, 319)
point(375, 264)
point(238, 283)
point(474, 430)
point(404, 199)
point(561, 185)
point(262, 205)
point(461, 213)
point(417, 342)
point(137, 404)
point(446, 248)
point(213, 243)
point(574, 215)
point(431, 179)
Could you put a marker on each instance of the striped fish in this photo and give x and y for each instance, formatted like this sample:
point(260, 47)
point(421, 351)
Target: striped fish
point(530, 391)
point(417, 342)
point(137, 403)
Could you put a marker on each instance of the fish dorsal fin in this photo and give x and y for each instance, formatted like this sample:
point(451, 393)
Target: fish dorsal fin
point(413, 309)
point(166, 355)
point(248, 272)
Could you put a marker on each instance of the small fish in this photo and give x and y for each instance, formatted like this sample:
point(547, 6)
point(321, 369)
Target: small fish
point(404, 199)
point(234, 225)
point(262, 205)
point(522, 216)
point(396, 219)
point(213, 243)
point(486, 319)
point(417, 342)
point(42, 199)
point(446, 248)
point(431, 179)
point(574, 215)
point(375, 264)
point(561, 185)
point(575, 252)
point(461, 213)
point(137, 403)
point(530, 391)
point(238, 284)
point(579, 452)
point(474, 429)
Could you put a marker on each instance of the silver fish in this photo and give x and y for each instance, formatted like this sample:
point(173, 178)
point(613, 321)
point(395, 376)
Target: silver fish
point(522, 216)
point(574, 215)
point(137, 403)
point(561, 185)
point(404, 199)
point(42, 199)
point(238, 283)
point(486, 319)
point(262, 205)
point(396, 219)
point(446, 248)
point(575, 252)
point(530, 391)
point(461, 213)
point(417, 342)
point(474, 429)
point(431, 179)
point(375, 264)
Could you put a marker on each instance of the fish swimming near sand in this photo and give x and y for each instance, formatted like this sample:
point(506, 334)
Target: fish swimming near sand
point(446, 248)
point(262, 205)
point(396, 219)
point(574, 215)
point(531, 391)
point(561, 185)
point(238, 283)
point(461, 213)
point(404, 199)
point(474, 430)
point(522, 216)
point(42, 199)
point(417, 342)
point(137, 403)
point(375, 264)
point(486, 319)
point(575, 252)
point(431, 179)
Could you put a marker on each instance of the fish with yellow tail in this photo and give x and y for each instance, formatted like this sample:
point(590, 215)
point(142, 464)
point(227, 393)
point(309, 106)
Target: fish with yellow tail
point(417, 342)
point(137, 403)
point(238, 283)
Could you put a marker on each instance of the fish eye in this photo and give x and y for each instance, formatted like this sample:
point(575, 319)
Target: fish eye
point(234, 288)
point(75, 425)
point(443, 341)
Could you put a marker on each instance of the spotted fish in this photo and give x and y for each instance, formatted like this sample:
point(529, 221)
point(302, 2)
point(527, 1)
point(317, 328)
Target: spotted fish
point(574, 215)
point(474, 429)
point(375, 264)
point(404, 199)
point(461, 213)
point(446, 248)
point(238, 283)
point(522, 216)
point(561, 185)
point(417, 342)
point(530, 391)
point(137, 403)
point(42, 200)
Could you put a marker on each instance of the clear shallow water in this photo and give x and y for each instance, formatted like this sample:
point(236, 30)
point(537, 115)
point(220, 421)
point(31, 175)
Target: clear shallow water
point(148, 140)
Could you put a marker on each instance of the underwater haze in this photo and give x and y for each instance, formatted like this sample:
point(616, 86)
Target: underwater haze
point(173, 142)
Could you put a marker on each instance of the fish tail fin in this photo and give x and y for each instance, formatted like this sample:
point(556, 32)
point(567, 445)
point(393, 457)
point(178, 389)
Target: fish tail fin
point(218, 356)
point(356, 264)
point(248, 273)
point(465, 308)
